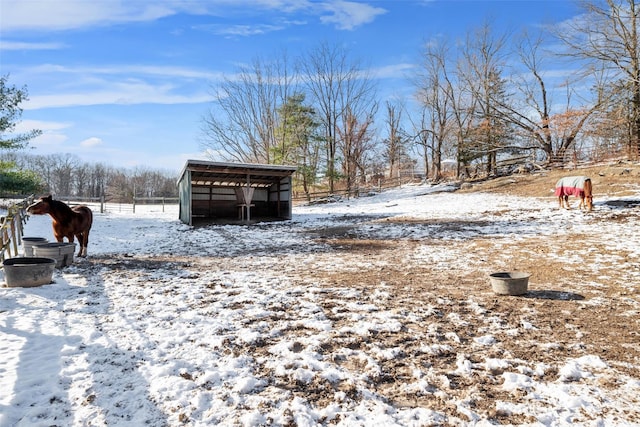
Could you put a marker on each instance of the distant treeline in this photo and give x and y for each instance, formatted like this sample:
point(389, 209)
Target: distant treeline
point(66, 175)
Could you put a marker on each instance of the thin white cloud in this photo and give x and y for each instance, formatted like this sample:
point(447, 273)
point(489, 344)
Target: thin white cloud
point(394, 71)
point(101, 85)
point(128, 70)
point(138, 84)
point(74, 14)
point(45, 126)
point(347, 15)
point(49, 141)
point(91, 142)
point(122, 95)
point(52, 137)
point(240, 30)
point(12, 45)
point(62, 15)
point(117, 85)
point(344, 14)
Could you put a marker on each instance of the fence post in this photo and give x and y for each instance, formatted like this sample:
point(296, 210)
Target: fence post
point(134, 204)
point(4, 238)
point(102, 204)
point(11, 228)
point(14, 234)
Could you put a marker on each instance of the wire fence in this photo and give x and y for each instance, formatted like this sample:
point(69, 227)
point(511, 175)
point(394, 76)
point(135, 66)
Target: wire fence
point(104, 205)
point(357, 191)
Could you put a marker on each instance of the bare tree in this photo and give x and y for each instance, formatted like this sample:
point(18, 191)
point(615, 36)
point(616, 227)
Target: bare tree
point(80, 178)
point(355, 136)
point(339, 88)
point(544, 124)
point(435, 93)
point(119, 188)
point(62, 168)
point(463, 106)
point(66, 175)
point(422, 138)
point(482, 74)
point(608, 35)
point(98, 177)
point(42, 166)
point(395, 138)
point(241, 124)
point(609, 130)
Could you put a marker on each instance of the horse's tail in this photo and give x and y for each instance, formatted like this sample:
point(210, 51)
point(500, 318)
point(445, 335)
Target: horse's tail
point(89, 215)
point(85, 213)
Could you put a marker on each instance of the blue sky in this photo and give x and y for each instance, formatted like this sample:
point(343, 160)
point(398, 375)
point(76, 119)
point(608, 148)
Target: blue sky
point(127, 82)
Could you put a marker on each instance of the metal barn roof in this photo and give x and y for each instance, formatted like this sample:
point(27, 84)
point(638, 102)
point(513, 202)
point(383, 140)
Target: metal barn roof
point(205, 173)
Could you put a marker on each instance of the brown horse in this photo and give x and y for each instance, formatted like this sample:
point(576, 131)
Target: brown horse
point(67, 222)
point(579, 186)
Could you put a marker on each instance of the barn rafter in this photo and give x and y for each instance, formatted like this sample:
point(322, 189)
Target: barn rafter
point(234, 175)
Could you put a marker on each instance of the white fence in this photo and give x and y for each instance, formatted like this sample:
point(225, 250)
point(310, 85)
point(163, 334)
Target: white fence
point(99, 204)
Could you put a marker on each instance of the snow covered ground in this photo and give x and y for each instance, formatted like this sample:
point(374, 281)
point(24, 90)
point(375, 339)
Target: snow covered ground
point(166, 325)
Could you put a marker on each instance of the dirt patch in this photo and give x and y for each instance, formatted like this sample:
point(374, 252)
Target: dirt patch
point(445, 314)
point(570, 314)
point(450, 338)
point(571, 310)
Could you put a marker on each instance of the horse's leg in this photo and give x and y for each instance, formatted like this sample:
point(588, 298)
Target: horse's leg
point(86, 241)
point(83, 238)
point(83, 249)
point(581, 203)
point(80, 238)
point(58, 236)
point(70, 237)
point(561, 201)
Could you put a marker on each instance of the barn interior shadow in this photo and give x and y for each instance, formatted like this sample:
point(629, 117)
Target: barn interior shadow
point(553, 295)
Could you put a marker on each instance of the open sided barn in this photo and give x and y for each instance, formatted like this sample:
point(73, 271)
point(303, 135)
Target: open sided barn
point(234, 192)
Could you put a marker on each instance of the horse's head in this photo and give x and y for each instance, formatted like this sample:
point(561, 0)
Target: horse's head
point(41, 207)
point(588, 193)
point(589, 200)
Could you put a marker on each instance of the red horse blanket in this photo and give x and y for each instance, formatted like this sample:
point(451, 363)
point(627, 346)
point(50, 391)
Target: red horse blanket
point(571, 186)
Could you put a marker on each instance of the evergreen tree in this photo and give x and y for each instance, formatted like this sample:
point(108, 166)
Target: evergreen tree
point(299, 144)
point(13, 180)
